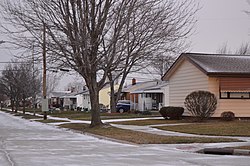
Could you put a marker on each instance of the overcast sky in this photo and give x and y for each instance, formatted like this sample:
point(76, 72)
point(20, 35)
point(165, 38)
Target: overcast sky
point(219, 22)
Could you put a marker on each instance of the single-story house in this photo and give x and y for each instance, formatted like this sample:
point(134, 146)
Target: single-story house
point(146, 95)
point(83, 98)
point(127, 89)
point(62, 99)
point(150, 98)
point(104, 95)
point(226, 76)
point(69, 101)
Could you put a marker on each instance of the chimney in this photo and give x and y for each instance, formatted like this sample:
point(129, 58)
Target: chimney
point(133, 81)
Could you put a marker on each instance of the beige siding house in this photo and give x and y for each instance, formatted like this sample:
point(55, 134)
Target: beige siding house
point(227, 76)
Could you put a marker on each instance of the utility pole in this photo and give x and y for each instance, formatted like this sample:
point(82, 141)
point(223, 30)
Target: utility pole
point(33, 84)
point(45, 100)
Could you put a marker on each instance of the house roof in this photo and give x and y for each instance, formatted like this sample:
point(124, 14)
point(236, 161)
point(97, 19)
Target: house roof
point(59, 93)
point(84, 92)
point(157, 88)
point(139, 86)
point(215, 64)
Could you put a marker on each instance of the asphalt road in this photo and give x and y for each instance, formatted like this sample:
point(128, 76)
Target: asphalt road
point(27, 143)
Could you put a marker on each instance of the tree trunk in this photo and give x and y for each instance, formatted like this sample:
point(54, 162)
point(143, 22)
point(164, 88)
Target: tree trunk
point(95, 108)
point(112, 97)
point(94, 99)
point(33, 105)
point(12, 104)
point(23, 106)
point(17, 106)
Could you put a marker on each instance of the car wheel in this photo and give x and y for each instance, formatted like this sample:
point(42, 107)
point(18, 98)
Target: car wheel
point(121, 110)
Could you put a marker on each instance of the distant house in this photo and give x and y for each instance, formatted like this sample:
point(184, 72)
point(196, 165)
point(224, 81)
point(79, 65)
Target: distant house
point(150, 98)
point(104, 95)
point(126, 91)
point(83, 98)
point(226, 76)
point(144, 95)
point(62, 99)
point(69, 101)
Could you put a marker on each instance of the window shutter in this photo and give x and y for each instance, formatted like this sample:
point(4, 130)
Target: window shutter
point(235, 84)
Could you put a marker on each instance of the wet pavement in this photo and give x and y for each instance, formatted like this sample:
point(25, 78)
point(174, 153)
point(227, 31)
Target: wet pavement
point(28, 143)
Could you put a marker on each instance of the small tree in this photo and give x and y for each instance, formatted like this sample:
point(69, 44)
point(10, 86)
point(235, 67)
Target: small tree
point(201, 104)
point(19, 81)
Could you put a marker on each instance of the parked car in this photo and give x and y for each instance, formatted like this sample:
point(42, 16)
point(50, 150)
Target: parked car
point(103, 108)
point(123, 106)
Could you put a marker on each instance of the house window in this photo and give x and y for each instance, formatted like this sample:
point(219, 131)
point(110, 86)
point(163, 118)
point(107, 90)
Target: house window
point(235, 95)
point(224, 95)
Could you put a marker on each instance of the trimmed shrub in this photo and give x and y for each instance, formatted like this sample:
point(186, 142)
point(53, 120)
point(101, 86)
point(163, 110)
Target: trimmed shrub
point(172, 112)
point(201, 104)
point(227, 116)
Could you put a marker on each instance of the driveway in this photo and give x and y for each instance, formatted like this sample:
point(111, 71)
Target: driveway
point(28, 143)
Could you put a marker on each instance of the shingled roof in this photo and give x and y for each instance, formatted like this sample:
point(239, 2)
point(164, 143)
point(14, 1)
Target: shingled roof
point(216, 64)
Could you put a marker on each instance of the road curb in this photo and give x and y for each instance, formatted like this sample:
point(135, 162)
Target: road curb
point(225, 151)
point(241, 152)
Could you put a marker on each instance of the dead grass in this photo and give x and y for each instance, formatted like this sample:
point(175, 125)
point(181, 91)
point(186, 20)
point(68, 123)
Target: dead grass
point(218, 128)
point(241, 147)
point(151, 122)
point(27, 116)
point(76, 115)
point(140, 137)
point(51, 121)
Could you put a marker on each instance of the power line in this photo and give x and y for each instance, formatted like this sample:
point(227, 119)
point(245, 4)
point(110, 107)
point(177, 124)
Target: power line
point(14, 62)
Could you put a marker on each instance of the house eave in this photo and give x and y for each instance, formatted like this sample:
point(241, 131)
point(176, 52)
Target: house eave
point(226, 74)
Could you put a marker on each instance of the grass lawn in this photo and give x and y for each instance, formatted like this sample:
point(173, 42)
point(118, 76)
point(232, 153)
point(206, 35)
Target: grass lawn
point(26, 116)
point(241, 147)
point(232, 128)
point(140, 137)
point(51, 121)
point(80, 115)
point(151, 122)
point(76, 115)
point(31, 110)
point(71, 115)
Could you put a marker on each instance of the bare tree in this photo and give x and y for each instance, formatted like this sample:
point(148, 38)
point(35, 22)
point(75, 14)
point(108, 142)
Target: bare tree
point(28, 81)
point(75, 86)
point(244, 49)
point(224, 49)
point(52, 82)
point(145, 34)
point(16, 83)
point(7, 85)
point(162, 63)
point(99, 39)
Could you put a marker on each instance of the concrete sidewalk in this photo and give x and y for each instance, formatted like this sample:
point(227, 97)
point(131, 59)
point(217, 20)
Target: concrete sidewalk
point(29, 143)
point(150, 129)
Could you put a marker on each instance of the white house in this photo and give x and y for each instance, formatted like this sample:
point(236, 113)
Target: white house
point(83, 100)
point(150, 98)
